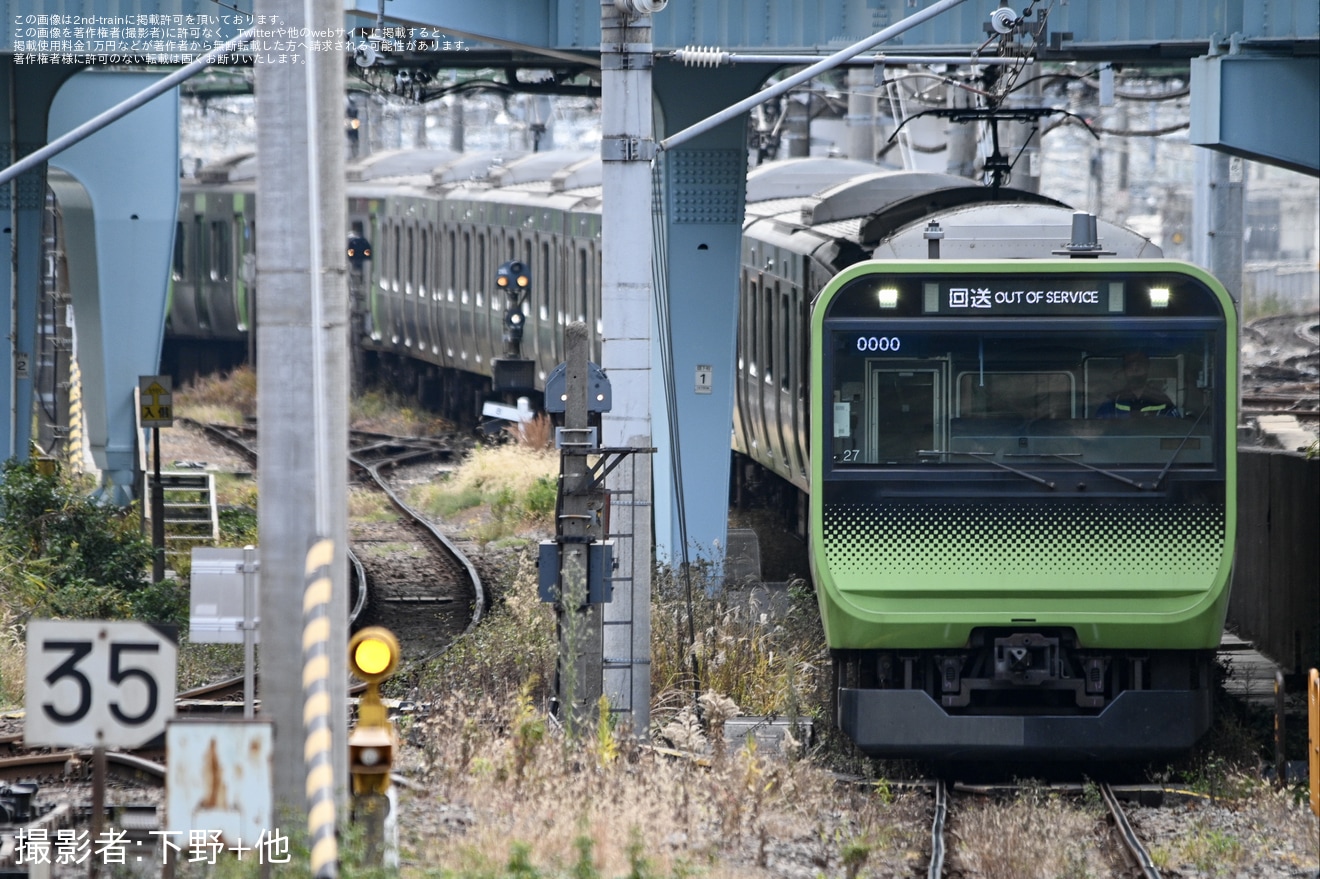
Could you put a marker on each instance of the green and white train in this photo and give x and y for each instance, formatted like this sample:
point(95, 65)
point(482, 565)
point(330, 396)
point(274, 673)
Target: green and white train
point(1007, 561)
point(1022, 503)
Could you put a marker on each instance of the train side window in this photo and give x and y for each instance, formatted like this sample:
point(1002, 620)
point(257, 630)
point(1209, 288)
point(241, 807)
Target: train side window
point(543, 281)
point(596, 299)
point(425, 266)
point(769, 315)
point(219, 251)
point(467, 266)
point(753, 331)
point(480, 280)
point(785, 339)
point(409, 270)
point(742, 325)
point(397, 261)
point(180, 234)
point(452, 253)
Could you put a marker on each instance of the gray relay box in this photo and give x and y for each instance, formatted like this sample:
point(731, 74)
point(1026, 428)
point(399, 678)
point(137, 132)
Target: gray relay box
point(215, 605)
point(600, 571)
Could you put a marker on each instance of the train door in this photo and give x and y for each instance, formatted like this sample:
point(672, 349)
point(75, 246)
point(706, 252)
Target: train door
point(905, 411)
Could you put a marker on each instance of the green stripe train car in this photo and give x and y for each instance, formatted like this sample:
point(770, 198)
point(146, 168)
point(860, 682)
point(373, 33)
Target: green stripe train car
point(1022, 503)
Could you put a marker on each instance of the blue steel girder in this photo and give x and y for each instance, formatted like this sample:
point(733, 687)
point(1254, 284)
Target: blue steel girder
point(25, 95)
point(1108, 29)
point(119, 217)
point(1259, 107)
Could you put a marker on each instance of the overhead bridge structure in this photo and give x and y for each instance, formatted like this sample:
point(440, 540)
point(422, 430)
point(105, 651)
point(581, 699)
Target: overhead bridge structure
point(1255, 93)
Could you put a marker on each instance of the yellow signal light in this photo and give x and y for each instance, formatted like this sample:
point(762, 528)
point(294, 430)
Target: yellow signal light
point(502, 281)
point(523, 280)
point(373, 654)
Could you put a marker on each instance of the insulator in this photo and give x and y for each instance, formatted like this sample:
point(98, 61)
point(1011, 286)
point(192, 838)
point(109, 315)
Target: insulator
point(702, 56)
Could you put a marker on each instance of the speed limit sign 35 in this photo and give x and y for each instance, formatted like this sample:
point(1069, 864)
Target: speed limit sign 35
point(93, 683)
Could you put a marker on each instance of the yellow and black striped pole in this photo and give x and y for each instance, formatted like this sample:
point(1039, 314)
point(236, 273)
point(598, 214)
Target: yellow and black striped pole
point(318, 747)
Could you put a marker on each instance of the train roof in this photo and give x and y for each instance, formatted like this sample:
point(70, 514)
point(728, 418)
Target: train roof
point(238, 168)
point(541, 167)
point(796, 178)
point(886, 212)
point(398, 163)
point(470, 167)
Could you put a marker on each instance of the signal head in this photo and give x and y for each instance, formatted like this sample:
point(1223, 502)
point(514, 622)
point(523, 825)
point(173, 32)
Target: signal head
point(514, 273)
point(373, 654)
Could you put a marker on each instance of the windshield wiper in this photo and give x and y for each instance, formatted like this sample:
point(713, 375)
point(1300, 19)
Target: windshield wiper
point(990, 460)
point(1169, 463)
point(1103, 472)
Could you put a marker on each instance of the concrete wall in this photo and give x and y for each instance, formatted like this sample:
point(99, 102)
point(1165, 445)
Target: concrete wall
point(1275, 601)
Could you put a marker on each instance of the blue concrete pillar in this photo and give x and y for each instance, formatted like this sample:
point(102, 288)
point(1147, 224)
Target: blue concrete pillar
point(120, 199)
point(703, 192)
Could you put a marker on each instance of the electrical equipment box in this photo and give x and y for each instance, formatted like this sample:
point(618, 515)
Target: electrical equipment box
point(600, 571)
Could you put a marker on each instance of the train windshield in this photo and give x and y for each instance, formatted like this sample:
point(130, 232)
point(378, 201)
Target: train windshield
point(1020, 399)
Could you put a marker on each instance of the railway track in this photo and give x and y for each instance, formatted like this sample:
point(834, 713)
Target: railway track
point(412, 578)
point(946, 860)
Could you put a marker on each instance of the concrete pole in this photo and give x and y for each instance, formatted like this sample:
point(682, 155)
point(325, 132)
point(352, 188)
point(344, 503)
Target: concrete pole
point(580, 633)
point(627, 145)
point(302, 383)
point(1217, 217)
point(960, 158)
point(456, 124)
point(1024, 139)
point(861, 114)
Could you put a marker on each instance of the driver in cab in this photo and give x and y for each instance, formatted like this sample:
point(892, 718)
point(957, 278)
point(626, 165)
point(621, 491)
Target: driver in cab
point(1137, 396)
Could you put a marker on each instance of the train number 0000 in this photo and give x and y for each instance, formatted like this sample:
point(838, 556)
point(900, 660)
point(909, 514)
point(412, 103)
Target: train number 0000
point(878, 343)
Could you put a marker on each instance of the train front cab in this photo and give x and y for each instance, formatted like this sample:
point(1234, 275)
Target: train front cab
point(1011, 559)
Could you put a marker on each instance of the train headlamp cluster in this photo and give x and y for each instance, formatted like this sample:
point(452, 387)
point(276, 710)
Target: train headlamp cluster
point(1159, 297)
point(888, 297)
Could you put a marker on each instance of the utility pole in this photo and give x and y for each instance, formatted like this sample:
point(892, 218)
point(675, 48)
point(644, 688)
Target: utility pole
point(627, 147)
point(577, 529)
point(302, 400)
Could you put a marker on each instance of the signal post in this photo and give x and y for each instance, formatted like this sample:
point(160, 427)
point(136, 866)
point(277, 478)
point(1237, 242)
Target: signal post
point(373, 655)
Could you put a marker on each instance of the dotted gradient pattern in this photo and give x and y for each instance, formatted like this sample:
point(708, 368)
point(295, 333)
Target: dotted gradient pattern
point(1016, 538)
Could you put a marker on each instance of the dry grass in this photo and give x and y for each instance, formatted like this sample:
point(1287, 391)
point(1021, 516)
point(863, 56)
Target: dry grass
point(386, 412)
point(13, 660)
point(1037, 836)
point(514, 486)
point(222, 399)
point(513, 794)
point(492, 469)
point(767, 664)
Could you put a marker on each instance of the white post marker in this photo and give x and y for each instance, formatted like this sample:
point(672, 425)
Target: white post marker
point(98, 684)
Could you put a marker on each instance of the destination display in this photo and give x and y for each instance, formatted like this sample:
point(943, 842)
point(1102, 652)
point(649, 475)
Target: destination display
point(998, 295)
